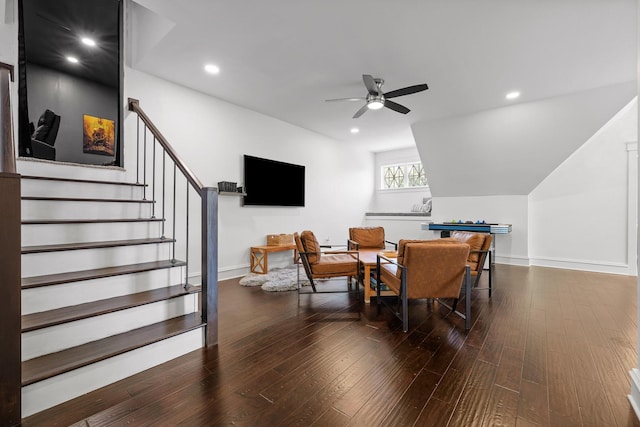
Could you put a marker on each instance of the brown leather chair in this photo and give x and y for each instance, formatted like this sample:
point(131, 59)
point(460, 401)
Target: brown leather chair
point(480, 244)
point(322, 265)
point(426, 269)
point(368, 238)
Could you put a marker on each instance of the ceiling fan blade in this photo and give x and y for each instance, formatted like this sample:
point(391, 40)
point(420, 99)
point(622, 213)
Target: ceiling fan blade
point(361, 111)
point(406, 91)
point(345, 99)
point(371, 85)
point(395, 106)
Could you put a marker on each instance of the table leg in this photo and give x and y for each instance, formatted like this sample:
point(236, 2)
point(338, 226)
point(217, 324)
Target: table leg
point(259, 262)
point(367, 284)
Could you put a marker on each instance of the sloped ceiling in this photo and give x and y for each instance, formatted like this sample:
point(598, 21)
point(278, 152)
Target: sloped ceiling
point(510, 150)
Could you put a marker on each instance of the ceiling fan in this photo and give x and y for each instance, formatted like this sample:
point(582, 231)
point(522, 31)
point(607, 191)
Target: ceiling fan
point(377, 99)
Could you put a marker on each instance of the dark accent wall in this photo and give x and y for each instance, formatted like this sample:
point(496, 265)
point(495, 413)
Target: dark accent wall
point(70, 97)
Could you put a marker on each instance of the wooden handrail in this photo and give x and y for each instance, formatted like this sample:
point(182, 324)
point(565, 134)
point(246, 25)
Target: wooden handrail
point(134, 105)
point(7, 149)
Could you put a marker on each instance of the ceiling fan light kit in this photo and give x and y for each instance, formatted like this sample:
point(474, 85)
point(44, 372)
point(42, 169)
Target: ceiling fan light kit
point(375, 104)
point(376, 99)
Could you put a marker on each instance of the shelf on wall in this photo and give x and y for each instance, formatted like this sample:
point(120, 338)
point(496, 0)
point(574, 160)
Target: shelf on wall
point(231, 193)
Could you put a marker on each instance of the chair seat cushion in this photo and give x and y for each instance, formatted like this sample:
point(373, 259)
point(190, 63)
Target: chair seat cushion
point(335, 265)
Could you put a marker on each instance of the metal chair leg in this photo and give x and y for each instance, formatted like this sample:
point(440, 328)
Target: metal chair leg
point(467, 297)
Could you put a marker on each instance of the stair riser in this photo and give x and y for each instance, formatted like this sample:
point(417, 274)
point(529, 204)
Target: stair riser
point(37, 209)
point(45, 298)
point(60, 337)
point(44, 188)
point(65, 261)
point(46, 394)
point(49, 234)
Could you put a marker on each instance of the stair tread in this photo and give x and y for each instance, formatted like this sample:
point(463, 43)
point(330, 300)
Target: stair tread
point(88, 221)
point(83, 199)
point(93, 245)
point(86, 181)
point(77, 276)
point(50, 365)
point(45, 319)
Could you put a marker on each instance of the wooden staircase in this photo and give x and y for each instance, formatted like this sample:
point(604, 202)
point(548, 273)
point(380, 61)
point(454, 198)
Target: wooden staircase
point(91, 291)
point(102, 295)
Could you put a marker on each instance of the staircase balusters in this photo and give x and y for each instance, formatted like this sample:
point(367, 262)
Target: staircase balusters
point(173, 218)
point(208, 216)
point(153, 181)
point(138, 150)
point(164, 158)
point(144, 165)
point(186, 267)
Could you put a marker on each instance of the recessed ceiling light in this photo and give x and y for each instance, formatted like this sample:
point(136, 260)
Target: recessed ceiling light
point(72, 59)
point(212, 69)
point(88, 41)
point(355, 130)
point(512, 95)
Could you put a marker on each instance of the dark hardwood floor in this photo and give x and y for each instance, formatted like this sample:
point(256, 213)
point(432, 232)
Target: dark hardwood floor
point(551, 348)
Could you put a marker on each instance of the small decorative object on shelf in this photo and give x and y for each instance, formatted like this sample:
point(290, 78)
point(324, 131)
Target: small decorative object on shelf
point(227, 187)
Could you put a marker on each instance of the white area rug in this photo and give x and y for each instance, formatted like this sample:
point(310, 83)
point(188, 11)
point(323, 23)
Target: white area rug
point(277, 279)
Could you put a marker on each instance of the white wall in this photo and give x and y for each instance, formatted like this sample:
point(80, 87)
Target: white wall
point(580, 213)
point(396, 200)
point(212, 135)
point(510, 248)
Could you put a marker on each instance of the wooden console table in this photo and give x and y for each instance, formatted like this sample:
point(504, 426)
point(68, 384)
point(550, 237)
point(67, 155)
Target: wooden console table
point(260, 256)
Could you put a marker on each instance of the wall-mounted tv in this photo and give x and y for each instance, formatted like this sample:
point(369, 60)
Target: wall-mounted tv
point(272, 183)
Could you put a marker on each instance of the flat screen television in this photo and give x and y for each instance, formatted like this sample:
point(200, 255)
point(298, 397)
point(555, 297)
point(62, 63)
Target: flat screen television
point(272, 183)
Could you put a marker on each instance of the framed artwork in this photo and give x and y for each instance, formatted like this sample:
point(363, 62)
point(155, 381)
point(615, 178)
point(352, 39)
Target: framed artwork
point(98, 135)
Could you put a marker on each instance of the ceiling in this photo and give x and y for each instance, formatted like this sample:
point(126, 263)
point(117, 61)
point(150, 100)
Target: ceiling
point(283, 58)
point(52, 31)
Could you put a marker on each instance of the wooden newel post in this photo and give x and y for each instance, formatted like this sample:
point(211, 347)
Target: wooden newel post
point(10, 304)
point(7, 149)
point(210, 264)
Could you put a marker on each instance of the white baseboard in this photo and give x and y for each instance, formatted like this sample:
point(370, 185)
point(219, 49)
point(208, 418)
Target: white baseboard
point(232, 272)
point(583, 265)
point(634, 397)
point(512, 260)
point(224, 273)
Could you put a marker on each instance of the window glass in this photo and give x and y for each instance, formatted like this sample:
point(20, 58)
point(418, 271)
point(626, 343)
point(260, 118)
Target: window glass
point(406, 175)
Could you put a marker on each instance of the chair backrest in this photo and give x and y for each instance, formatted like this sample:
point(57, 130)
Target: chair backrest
point(402, 244)
point(311, 246)
point(48, 125)
point(368, 237)
point(477, 242)
point(435, 270)
point(302, 253)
